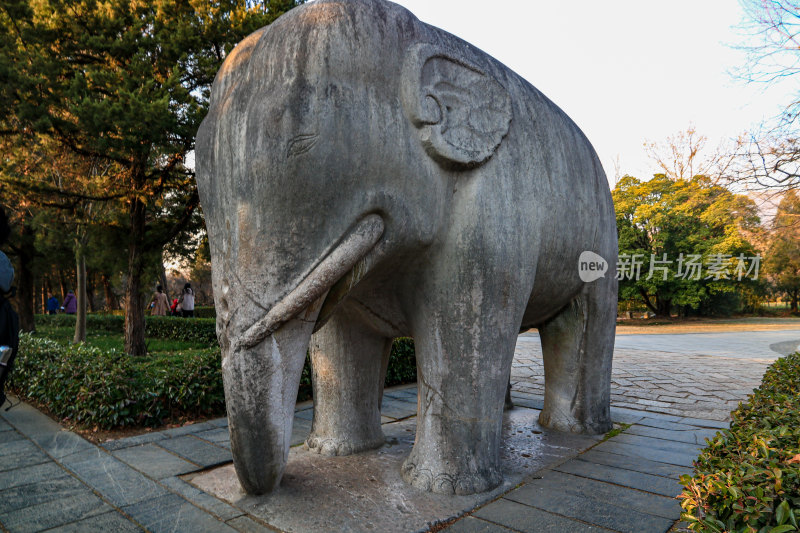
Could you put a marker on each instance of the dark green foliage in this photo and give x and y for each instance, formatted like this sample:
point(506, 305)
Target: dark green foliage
point(205, 312)
point(108, 389)
point(91, 386)
point(156, 327)
point(748, 477)
point(402, 363)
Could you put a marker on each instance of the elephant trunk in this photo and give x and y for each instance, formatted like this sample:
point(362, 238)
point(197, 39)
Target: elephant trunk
point(262, 364)
point(261, 384)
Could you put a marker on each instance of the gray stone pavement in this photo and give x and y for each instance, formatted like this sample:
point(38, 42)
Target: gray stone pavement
point(696, 375)
point(675, 390)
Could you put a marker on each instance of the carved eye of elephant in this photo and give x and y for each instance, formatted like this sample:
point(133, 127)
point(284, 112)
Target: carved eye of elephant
point(461, 112)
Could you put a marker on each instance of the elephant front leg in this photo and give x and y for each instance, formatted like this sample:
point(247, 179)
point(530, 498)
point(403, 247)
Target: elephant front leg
point(577, 349)
point(348, 362)
point(464, 356)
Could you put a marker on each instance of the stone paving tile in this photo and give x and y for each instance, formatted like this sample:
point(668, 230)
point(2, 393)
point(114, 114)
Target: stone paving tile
point(627, 478)
point(115, 480)
point(219, 422)
point(659, 444)
point(76, 506)
point(636, 464)
point(528, 519)
point(18, 453)
point(171, 513)
point(697, 437)
point(62, 443)
point(398, 409)
point(659, 456)
point(475, 525)
point(30, 422)
point(188, 429)
point(137, 440)
point(666, 424)
point(154, 461)
point(698, 376)
point(111, 522)
point(217, 435)
point(39, 492)
point(245, 524)
point(196, 450)
point(205, 501)
point(610, 506)
point(30, 474)
point(10, 435)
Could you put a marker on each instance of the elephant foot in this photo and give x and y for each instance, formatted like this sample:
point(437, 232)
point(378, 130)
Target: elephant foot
point(443, 478)
point(331, 446)
point(568, 423)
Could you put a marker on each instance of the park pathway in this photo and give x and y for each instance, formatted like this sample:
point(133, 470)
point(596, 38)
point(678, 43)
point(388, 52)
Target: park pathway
point(674, 390)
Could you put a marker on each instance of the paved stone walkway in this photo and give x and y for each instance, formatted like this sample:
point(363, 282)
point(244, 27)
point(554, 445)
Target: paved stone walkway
point(674, 392)
point(697, 375)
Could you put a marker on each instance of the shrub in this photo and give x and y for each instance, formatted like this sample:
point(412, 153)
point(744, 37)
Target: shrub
point(205, 312)
point(108, 389)
point(157, 327)
point(748, 477)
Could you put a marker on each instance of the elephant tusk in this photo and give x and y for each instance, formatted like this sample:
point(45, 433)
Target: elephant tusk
point(352, 248)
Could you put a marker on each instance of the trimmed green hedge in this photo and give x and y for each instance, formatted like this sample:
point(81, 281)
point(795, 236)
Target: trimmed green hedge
point(109, 389)
point(748, 477)
point(157, 327)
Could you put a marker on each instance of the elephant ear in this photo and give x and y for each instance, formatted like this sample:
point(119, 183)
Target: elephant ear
point(462, 113)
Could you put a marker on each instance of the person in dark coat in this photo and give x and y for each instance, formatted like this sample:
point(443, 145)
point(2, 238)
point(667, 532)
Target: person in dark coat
point(52, 304)
point(70, 303)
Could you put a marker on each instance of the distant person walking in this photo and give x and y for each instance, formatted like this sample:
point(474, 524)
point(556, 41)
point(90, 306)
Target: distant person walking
point(70, 303)
point(187, 301)
point(159, 303)
point(52, 304)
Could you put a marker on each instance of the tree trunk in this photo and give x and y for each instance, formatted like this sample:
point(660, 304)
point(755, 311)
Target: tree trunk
point(24, 279)
point(80, 319)
point(62, 283)
point(163, 276)
point(795, 300)
point(90, 285)
point(108, 293)
point(134, 303)
point(663, 308)
point(647, 301)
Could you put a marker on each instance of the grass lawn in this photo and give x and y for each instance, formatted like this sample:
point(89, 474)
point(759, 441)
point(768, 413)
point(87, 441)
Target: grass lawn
point(108, 341)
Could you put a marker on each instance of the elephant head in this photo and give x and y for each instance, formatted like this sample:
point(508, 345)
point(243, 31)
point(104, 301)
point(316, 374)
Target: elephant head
point(328, 156)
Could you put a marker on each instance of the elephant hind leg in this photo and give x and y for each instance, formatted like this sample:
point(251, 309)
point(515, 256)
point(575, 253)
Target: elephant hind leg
point(577, 348)
point(348, 363)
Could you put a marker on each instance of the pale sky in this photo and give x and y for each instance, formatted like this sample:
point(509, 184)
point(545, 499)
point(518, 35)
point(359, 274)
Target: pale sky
point(625, 71)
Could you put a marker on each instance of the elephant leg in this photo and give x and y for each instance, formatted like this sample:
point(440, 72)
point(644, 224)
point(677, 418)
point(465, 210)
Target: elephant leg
point(348, 363)
point(577, 348)
point(464, 357)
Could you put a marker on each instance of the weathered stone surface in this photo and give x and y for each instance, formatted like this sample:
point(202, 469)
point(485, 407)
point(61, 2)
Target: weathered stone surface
point(626, 478)
point(205, 501)
point(104, 523)
point(75, 506)
point(115, 480)
point(475, 525)
point(365, 176)
point(636, 464)
point(531, 520)
point(196, 450)
point(365, 492)
point(613, 507)
point(170, 513)
point(155, 461)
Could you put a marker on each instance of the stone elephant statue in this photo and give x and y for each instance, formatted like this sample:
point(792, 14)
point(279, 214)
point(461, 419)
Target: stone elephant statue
point(366, 176)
